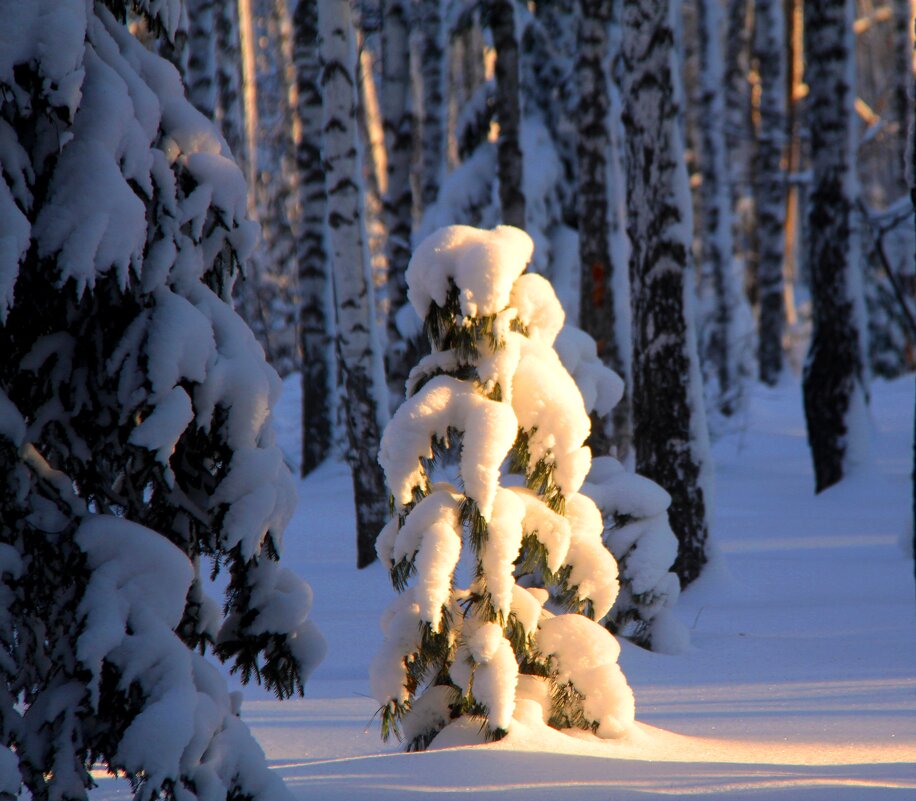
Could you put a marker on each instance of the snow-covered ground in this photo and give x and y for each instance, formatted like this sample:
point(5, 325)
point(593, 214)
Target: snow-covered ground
point(800, 682)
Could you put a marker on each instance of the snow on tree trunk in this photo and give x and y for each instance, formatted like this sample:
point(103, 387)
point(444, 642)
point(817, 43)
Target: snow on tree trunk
point(357, 342)
point(598, 279)
point(508, 150)
point(202, 42)
point(493, 387)
point(669, 424)
point(398, 200)
point(834, 392)
point(317, 363)
point(770, 184)
point(724, 337)
point(229, 80)
point(432, 123)
point(136, 445)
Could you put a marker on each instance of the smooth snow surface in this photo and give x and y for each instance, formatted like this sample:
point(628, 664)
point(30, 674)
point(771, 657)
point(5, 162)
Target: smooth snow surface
point(799, 684)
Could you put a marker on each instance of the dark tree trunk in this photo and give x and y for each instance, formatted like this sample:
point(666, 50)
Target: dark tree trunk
point(509, 149)
point(770, 184)
point(833, 375)
point(911, 172)
point(902, 76)
point(229, 80)
point(737, 90)
point(357, 343)
point(432, 127)
point(314, 282)
point(597, 314)
point(668, 417)
point(398, 200)
point(202, 42)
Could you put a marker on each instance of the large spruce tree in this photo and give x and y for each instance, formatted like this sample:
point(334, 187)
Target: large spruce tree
point(136, 449)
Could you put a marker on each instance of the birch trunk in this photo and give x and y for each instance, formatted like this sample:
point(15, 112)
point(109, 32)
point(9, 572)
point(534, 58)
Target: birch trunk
point(398, 200)
point(274, 279)
point(770, 184)
point(722, 341)
point(202, 42)
point(598, 278)
point(432, 126)
point(317, 366)
point(229, 80)
point(833, 388)
point(669, 422)
point(357, 343)
point(508, 113)
point(737, 99)
point(903, 74)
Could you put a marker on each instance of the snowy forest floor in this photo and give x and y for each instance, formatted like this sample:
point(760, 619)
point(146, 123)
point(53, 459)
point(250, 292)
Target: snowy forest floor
point(800, 682)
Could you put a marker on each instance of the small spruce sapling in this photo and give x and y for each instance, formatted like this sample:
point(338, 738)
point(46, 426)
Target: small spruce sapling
point(494, 396)
point(635, 512)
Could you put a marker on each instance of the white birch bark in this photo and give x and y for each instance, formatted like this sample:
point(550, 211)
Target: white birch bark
point(737, 91)
point(719, 283)
point(770, 184)
point(833, 386)
point(669, 422)
point(903, 74)
point(357, 342)
point(269, 296)
point(433, 112)
point(317, 363)
point(229, 111)
point(508, 113)
point(599, 282)
point(202, 42)
point(398, 199)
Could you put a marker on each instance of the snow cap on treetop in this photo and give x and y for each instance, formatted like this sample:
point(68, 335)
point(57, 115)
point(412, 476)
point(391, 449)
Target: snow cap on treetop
point(482, 264)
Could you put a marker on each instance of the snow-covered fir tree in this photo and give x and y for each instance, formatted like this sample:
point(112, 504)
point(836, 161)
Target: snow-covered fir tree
point(525, 540)
point(833, 385)
point(669, 423)
point(136, 447)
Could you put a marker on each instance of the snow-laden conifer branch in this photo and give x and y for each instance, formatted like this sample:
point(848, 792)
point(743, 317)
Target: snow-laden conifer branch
point(136, 448)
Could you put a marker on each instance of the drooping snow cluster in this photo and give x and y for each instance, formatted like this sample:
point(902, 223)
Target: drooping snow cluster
point(136, 452)
point(635, 513)
point(493, 392)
